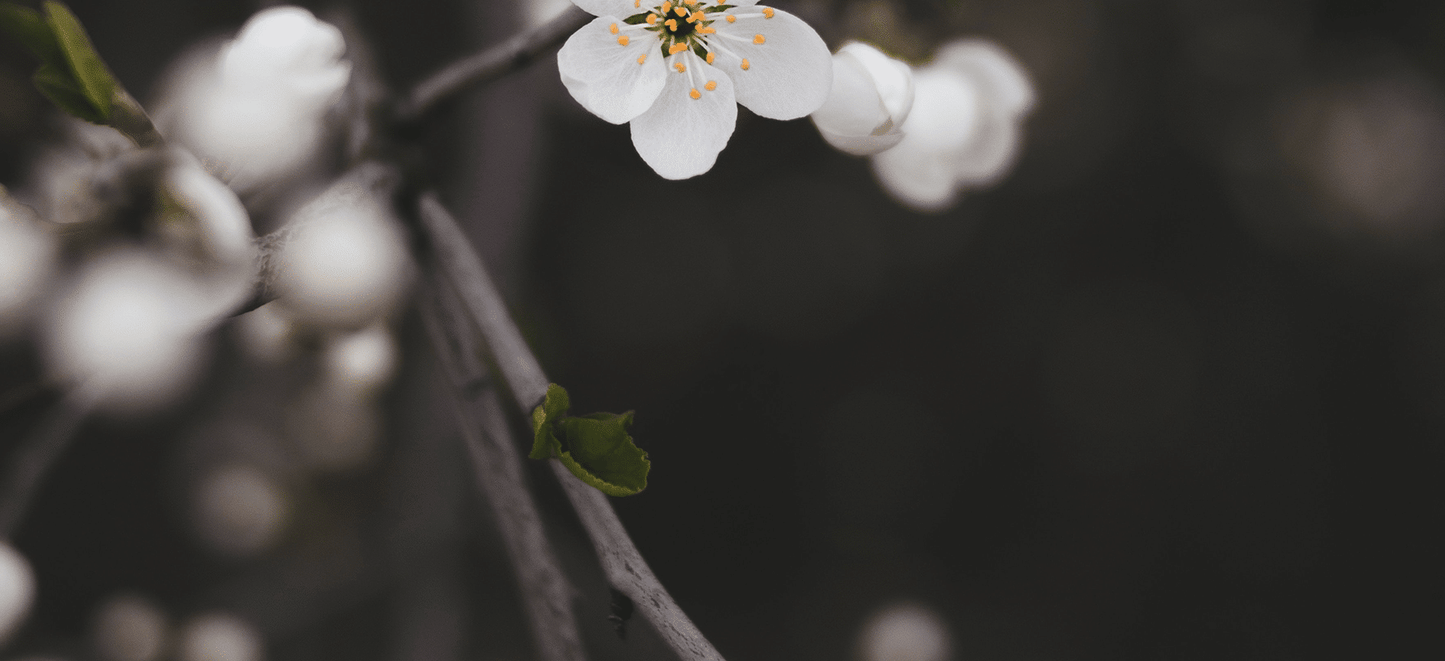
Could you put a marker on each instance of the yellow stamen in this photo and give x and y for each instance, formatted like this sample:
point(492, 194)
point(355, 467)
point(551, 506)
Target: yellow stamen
point(676, 48)
point(642, 58)
point(666, 7)
point(671, 24)
point(746, 66)
point(680, 11)
point(613, 28)
point(636, 4)
point(711, 57)
point(695, 94)
point(711, 85)
point(706, 30)
point(651, 18)
point(758, 39)
point(696, 16)
point(732, 19)
point(681, 68)
point(690, 2)
point(622, 40)
point(767, 12)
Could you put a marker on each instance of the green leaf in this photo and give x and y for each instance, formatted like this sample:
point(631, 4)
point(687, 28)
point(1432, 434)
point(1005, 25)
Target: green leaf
point(28, 27)
point(553, 407)
point(595, 447)
point(602, 454)
point(60, 88)
point(90, 72)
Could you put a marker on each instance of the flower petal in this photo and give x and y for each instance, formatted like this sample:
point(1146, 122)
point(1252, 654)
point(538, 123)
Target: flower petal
point(614, 81)
point(789, 68)
point(1003, 80)
point(680, 136)
point(892, 78)
point(853, 107)
point(922, 171)
point(862, 145)
point(615, 7)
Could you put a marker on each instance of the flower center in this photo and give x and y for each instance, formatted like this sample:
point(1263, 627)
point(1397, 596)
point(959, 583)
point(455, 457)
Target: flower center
point(682, 25)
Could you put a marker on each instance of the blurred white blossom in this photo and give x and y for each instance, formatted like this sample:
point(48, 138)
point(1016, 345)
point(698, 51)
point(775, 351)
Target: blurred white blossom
point(221, 637)
point(904, 632)
point(334, 429)
point(27, 256)
point(240, 510)
point(266, 333)
point(682, 109)
point(209, 231)
point(871, 97)
point(129, 325)
point(17, 590)
point(346, 261)
point(965, 127)
point(255, 112)
point(362, 361)
point(129, 627)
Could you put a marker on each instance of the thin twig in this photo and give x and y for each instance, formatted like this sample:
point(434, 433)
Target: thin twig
point(37, 453)
point(623, 564)
point(545, 592)
point(489, 64)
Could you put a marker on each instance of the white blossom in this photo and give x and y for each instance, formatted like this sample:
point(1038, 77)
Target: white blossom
point(964, 130)
point(254, 113)
point(27, 256)
point(676, 72)
point(17, 589)
point(221, 637)
point(871, 97)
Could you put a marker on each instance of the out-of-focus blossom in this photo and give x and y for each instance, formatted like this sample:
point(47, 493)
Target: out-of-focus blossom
point(17, 590)
point(255, 112)
point(221, 637)
point(904, 633)
point(129, 627)
point(208, 230)
point(871, 96)
point(537, 12)
point(27, 255)
point(240, 510)
point(334, 429)
point(61, 185)
point(129, 325)
point(266, 333)
point(362, 361)
point(346, 262)
point(652, 65)
point(965, 127)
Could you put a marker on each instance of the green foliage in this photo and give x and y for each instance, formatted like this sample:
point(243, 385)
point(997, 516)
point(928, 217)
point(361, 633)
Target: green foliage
point(71, 73)
point(595, 447)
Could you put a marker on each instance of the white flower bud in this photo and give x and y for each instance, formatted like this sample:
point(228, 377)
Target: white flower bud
point(870, 99)
point(904, 632)
point(255, 113)
point(239, 510)
point(129, 326)
point(209, 229)
point(221, 637)
point(17, 590)
point(129, 628)
point(27, 255)
point(965, 127)
point(362, 361)
point(346, 263)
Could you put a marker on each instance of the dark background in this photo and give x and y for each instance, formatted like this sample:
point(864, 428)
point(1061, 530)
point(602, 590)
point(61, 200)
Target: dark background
point(1165, 393)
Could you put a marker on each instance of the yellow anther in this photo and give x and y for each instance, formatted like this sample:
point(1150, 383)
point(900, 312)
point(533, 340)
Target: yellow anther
point(680, 11)
point(666, 7)
point(652, 19)
point(746, 66)
point(613, 28)
point(711, 57)
point(671, 24)
point(767, 12)
point(758, 39)
point(642, 58)
point(622, 40)
point(695, 94)
point(711, 85)
point(696, 16)
point(706, 30)
point(676, 48)
point(637, 4)
point(681, 68)
point(732, 19)
point(690, 2)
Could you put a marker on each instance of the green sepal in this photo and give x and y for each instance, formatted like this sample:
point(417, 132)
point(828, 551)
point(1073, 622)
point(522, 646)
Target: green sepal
point(602, 454)
point(60, 88)
point(28, 27)
point(90, 71)
point(595, 447)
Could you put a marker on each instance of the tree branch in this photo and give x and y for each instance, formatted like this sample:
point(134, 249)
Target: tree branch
point(37, 453)
point(488, 65)
point(546, 594)
point(458, 263)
